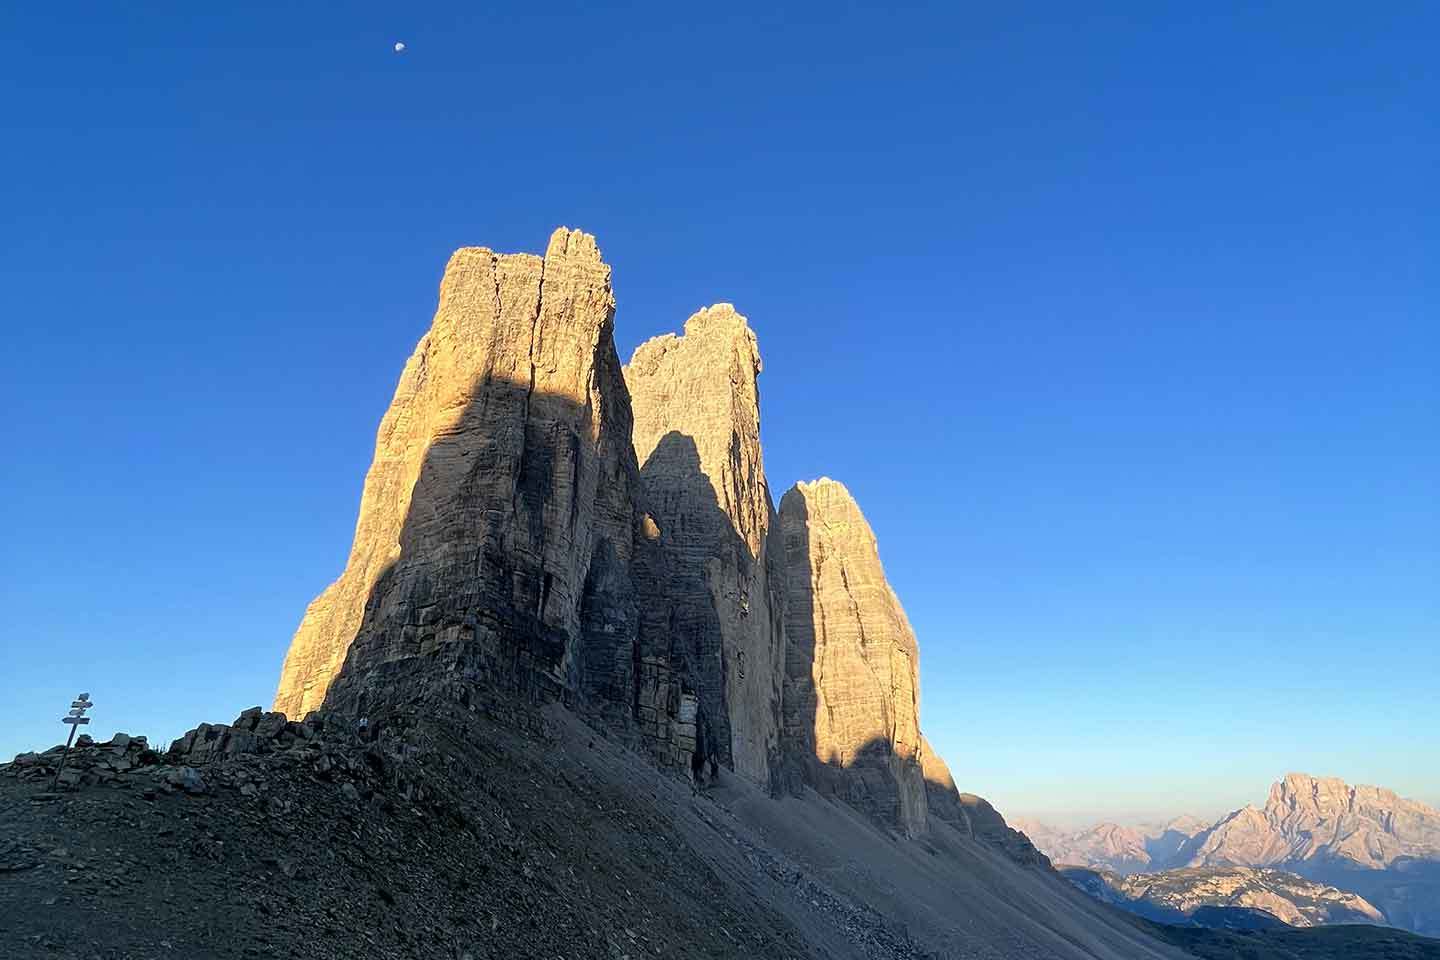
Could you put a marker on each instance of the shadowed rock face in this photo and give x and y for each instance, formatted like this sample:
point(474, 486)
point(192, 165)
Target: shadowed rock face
point(697, 435)
point(852, 699)
point(497, 525)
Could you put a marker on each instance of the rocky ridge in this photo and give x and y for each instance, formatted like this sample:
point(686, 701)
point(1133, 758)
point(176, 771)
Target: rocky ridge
point(540, 521)
point(1291, 899)
point(1362, 839)
point(1307, 817)
point(1111, 846)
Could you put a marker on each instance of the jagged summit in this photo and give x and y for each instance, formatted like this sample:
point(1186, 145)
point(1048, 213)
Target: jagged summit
point(1322, 819)
point(540, 520)
point(495, 528)
point(574, 245)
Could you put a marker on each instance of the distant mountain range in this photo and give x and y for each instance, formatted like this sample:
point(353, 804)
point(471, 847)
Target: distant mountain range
point(1360, 839)
point(1110, 846)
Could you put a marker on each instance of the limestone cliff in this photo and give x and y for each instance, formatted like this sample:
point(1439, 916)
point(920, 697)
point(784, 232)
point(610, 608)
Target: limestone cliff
point(1320, 818)
point(510, 538)
point(697, 437)
point(852, 697)
point(497, 523)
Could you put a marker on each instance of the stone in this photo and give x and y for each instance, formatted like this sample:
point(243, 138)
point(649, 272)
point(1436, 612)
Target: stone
point(988, 826)
point(187, 779)
point(497, 523)
point(1310, 818)
point(696, 410)
point(852, 697)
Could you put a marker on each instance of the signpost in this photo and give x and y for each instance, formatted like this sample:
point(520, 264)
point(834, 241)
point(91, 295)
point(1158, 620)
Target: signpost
point(75, 718)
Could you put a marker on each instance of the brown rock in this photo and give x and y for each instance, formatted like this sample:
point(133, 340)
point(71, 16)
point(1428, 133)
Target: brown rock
point(497, 523)
point(697, 436)
point(852, 698)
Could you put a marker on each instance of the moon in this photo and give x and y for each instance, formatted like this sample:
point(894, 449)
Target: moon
point(399, 47)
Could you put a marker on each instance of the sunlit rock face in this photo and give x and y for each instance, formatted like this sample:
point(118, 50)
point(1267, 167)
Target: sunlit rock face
point(1320, 818)
point(525, 528)
point(697, 438)
point(497, 525)
point(852, 698)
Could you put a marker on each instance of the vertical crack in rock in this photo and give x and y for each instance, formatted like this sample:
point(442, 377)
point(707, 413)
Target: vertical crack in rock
point(508, 537)
point(497, 522)
point(697, 435)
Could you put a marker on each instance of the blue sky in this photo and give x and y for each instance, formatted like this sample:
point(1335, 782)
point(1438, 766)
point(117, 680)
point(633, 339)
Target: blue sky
point(1120, 323)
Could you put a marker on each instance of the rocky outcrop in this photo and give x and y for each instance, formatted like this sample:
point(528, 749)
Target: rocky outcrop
point(531, 525)
point(1177, 895)
point(1320, 818)
point(497, 525)
point(988, 826)
point(852, 697)
point(1359, 838)
point(696, 405)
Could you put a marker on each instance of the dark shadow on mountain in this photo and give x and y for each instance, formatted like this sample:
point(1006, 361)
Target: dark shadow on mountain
point(1407, 891)
point(1162, 848)
point(486, 591)
point(694, 533)
point(798, 699)
point(1341, 942)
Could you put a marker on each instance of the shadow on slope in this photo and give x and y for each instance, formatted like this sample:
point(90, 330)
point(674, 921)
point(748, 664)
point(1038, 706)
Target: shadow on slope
point(1407, 892)
point(480, 603)
point(1163, 847)
point(1357, 942)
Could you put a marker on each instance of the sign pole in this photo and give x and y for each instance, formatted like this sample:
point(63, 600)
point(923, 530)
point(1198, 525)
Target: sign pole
point(76, 717)
point(55, 780)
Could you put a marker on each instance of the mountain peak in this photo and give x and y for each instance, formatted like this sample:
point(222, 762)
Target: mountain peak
point(572, 244)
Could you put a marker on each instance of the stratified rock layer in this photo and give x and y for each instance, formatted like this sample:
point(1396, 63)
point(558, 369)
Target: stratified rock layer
point(497, 523)
point(697, 437)
point(852, 698)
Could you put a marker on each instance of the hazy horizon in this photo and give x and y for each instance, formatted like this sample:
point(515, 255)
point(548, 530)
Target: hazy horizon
point(1119, 325)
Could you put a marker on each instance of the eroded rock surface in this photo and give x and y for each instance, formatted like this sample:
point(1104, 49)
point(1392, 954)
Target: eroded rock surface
point(696, 406)
point(497, 523)
point(852, 698)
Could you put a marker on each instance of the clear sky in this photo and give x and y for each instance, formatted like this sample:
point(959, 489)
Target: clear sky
point(1119, 321)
